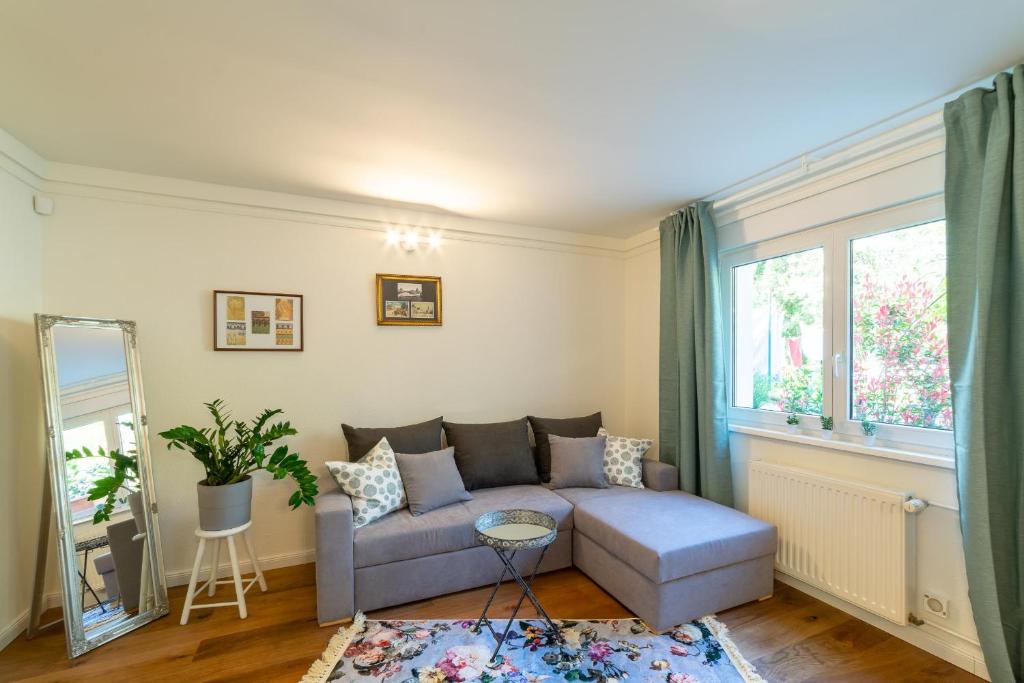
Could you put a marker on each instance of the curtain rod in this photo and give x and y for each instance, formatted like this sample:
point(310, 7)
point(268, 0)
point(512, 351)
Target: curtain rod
point(881, 122)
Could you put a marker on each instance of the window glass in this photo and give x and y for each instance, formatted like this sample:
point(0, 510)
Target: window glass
point(126, 432)
point(900, 366)
point(81, 473)
point(778, 333)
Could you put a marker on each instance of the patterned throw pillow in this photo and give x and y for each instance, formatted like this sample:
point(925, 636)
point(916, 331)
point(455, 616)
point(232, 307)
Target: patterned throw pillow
point(373, 482)
point(623, 459)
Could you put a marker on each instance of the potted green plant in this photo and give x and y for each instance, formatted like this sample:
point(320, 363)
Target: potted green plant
point(230, 452)
point(792, 423)
point(121, 486)
point(827, 423)
point(870, 430)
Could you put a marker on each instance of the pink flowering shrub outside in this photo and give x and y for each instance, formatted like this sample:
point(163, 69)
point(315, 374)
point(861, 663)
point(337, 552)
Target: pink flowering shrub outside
point(900, 358)
point(899, 365)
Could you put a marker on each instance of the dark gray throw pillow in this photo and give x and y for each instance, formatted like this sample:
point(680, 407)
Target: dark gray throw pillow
point(424, 437)
point(431, 480)
point(574, 427)
point(577, 462)
point(492, 454)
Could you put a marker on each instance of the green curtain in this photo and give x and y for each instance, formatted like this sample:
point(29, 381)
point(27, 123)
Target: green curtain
point(693, 422)
point(985, 248)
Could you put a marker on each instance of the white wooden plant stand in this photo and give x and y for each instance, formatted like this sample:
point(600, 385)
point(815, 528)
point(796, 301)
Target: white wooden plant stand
point(219, 537)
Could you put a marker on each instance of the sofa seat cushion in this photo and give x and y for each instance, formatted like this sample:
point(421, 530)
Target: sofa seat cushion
point(667, 535)
point(526, 497)
point(402, 536)
point(104, 563)
point(577, 495)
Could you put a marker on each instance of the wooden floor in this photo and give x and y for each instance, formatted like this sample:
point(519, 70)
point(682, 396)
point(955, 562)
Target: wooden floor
point(791, 637)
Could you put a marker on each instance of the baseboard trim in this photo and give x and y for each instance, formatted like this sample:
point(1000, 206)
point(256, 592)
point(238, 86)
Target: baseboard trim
point(13, 629)
point(959, 652)
point(178, 577)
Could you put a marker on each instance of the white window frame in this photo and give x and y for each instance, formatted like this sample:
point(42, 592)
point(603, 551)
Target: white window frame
point(108, 416)
point(835, 239)
point(780, 246)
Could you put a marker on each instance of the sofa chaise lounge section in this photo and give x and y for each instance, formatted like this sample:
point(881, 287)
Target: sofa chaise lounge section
point(668, 556)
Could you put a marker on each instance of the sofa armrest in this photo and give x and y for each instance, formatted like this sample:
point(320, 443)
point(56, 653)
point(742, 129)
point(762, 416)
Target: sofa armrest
point(660, 476)
point(335, 572)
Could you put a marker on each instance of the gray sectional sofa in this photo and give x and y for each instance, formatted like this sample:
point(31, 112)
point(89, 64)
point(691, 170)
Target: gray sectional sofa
point(666, 555)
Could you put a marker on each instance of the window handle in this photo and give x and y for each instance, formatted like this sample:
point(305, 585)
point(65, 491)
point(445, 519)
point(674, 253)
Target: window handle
point(837, 363)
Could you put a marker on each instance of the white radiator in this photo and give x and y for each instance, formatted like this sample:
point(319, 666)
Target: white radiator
point(848, 539)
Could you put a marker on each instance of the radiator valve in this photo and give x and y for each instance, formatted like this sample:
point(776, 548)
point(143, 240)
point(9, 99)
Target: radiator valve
point(915, 505)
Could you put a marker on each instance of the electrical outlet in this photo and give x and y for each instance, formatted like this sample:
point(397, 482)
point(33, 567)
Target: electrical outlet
point(936, 605)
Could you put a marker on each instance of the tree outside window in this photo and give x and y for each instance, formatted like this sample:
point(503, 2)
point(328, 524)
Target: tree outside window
point(778, 333)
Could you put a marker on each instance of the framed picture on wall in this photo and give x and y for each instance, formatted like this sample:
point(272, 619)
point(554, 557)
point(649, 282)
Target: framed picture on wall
point(408, 299)
point(257, 321)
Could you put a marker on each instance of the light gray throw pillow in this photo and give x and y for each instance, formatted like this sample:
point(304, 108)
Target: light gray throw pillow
point(577, 462)
point(373, 483)
point(431, 480)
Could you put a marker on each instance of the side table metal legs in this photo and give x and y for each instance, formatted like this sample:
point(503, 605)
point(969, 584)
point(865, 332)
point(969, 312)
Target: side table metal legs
point(527, 592)
point(85, 584)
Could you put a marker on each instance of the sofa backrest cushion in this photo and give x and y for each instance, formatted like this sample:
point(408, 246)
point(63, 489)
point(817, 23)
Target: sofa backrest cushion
point(492, 454)
point(424, 437)
point(577, 462)
point(573, 427)
point(431, 480)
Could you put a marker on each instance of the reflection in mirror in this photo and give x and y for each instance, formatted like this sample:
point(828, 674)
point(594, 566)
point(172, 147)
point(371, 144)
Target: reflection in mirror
point(109, 548)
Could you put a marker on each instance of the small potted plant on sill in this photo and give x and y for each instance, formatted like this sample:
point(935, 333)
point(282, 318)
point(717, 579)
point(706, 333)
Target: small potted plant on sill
point(792, 423)
point(230, 452)
point(870, 430)
point(827, 423)
point(122, 486)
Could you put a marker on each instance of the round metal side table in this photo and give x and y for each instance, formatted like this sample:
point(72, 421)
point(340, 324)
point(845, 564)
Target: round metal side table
point(507, 532)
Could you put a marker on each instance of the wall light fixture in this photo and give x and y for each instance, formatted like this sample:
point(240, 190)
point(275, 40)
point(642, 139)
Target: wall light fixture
point(411, 239)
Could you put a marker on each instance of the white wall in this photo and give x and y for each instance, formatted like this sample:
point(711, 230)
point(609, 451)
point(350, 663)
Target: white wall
point(20, 402)
point(940, 562)
point(642, 273)
point(527, 329)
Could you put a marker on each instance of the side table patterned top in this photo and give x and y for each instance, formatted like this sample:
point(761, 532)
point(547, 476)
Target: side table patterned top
point(94, 543)
point(515, 529)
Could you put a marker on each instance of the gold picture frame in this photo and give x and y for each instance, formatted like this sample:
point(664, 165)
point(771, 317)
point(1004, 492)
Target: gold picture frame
point(406, 300)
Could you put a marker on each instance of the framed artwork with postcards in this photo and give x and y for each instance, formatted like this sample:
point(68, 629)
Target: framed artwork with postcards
point(408, 300)
point(257, 321)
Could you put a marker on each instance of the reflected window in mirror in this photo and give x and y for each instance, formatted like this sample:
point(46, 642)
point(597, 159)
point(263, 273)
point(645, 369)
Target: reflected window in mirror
point(95, 398)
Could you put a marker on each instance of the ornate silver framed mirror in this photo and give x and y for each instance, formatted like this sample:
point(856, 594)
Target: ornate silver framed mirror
point(101, 482)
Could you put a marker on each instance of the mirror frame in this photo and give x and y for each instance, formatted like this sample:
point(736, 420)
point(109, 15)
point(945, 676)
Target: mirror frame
point(77, 642)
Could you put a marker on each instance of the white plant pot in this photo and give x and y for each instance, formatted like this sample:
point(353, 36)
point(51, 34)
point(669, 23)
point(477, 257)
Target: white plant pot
point(792, 429)
point(870, 440)
point(826, 434)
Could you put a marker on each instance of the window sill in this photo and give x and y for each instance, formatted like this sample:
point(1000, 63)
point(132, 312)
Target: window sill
point(117, 515)
point(841, 443)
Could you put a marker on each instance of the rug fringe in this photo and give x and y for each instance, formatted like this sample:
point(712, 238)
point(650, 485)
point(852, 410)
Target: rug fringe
point(322, 668)
point(721, 633)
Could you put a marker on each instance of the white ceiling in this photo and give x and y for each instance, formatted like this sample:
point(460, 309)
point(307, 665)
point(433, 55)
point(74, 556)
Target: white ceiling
point(596, 116)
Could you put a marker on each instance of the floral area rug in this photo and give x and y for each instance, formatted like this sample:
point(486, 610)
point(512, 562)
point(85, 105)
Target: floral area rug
point(603, 651)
